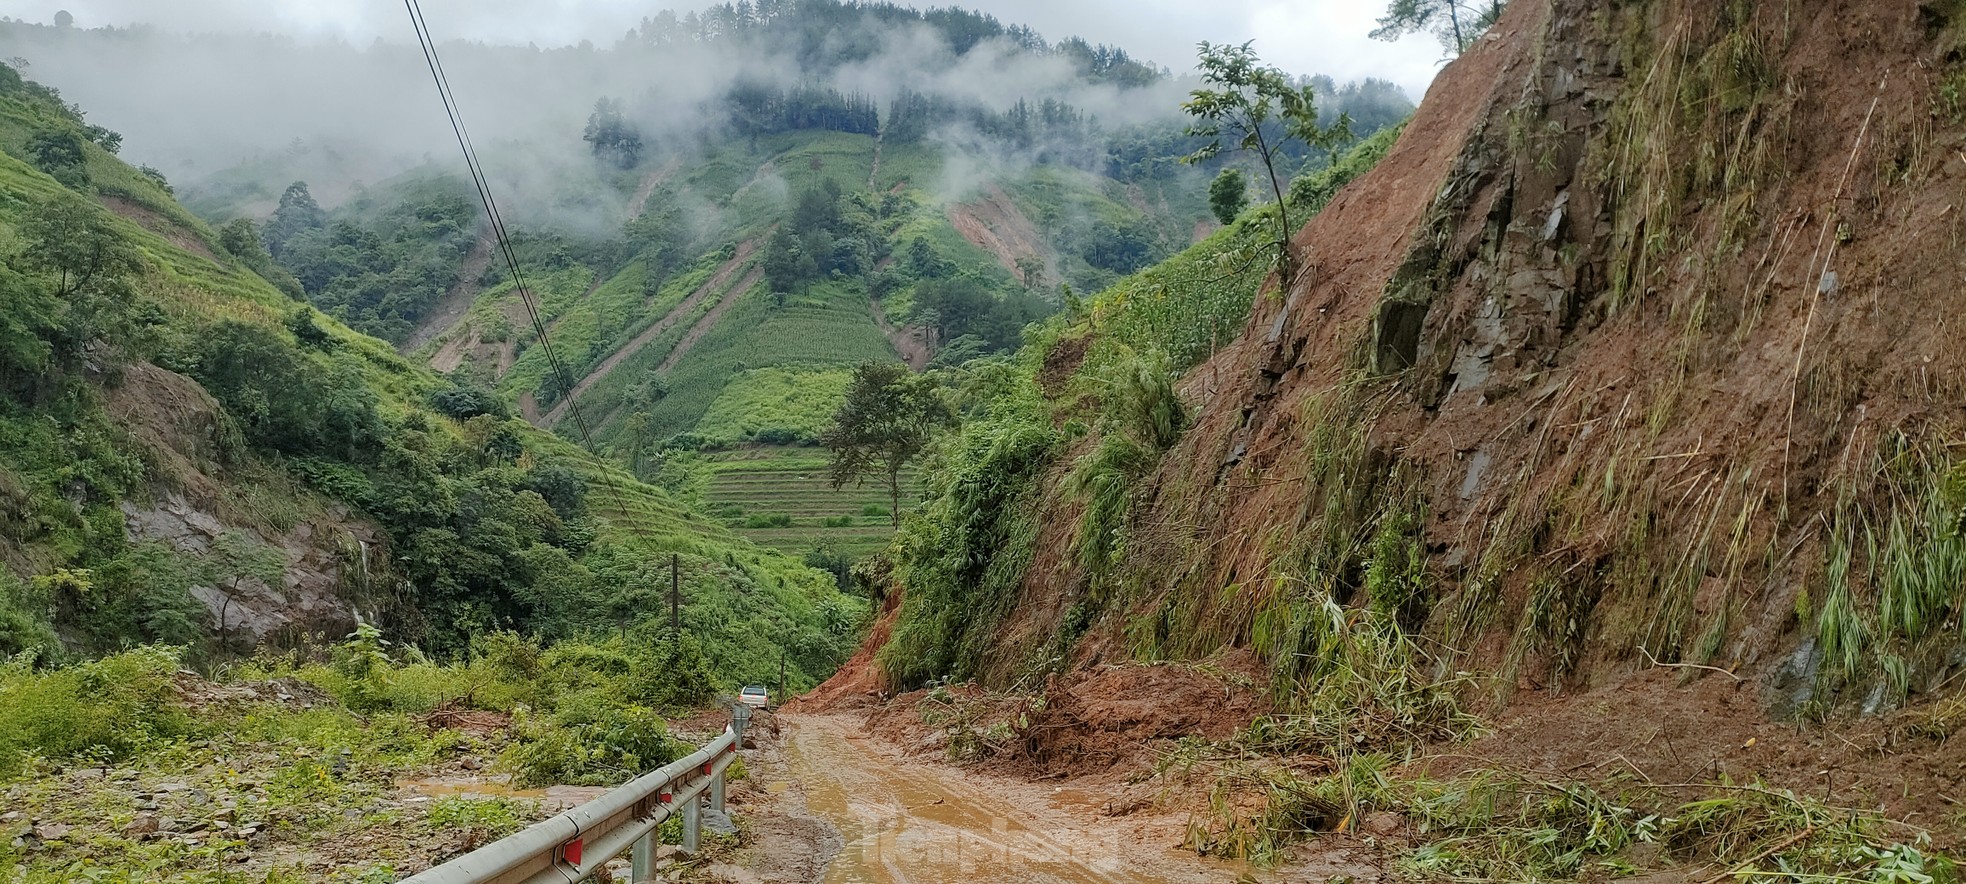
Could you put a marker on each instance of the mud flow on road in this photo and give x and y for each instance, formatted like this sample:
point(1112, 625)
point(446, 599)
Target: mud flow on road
point(905, 821)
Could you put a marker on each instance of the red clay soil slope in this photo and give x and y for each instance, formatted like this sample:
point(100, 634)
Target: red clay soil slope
point(1637, 307)
point(859, 681)
point(996, 225)
point(1652, 310)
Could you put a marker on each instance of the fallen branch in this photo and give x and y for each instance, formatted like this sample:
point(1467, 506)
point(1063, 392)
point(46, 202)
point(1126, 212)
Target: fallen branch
point(1655, 662)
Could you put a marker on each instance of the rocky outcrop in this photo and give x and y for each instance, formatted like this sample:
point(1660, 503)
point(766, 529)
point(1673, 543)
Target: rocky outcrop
point(280, 577)
point(1641, 326)
point(324, 568)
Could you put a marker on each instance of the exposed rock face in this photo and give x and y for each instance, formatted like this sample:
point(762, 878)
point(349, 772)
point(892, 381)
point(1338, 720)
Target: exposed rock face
point(1646, 313)
point(326, 558)
point(325, 569)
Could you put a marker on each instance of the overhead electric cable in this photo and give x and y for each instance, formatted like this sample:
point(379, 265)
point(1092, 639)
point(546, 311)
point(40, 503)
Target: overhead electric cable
point(492, 215)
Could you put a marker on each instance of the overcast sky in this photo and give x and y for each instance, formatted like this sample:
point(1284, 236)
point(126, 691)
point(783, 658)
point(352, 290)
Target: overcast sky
point(1300, 36)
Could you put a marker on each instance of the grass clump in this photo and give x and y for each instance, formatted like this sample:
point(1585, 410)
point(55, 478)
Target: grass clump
point(106, 710)
point(1144, 417)
point(1326, 761)
point(1893, 582)
point(483, 819)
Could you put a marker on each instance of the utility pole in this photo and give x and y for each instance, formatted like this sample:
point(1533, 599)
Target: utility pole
point(675, 595)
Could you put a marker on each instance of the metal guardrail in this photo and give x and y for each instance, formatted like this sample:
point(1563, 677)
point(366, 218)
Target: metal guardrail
point(577, 843)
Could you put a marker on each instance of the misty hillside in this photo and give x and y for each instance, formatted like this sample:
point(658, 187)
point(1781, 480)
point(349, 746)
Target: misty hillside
point(1213, 474)
point(718, 215)
point(192, 458)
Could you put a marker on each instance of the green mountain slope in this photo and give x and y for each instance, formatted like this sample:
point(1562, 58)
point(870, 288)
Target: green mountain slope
point(192, 457)
point(707, 258)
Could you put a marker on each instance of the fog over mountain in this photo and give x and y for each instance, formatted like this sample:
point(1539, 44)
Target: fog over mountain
point(340, 113)
point(1301, 35)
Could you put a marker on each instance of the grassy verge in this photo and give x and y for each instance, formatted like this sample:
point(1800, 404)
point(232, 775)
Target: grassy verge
point(362, 764)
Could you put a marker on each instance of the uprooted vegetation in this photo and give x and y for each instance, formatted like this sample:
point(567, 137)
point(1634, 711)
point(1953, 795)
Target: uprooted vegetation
point(1373, 749)
point(1508, 826)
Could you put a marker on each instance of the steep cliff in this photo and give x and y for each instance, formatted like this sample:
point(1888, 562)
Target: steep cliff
point(1644, 323)
point(1635, 350)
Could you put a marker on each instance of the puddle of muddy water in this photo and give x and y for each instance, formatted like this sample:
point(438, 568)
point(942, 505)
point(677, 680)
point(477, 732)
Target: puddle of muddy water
point(905, 824)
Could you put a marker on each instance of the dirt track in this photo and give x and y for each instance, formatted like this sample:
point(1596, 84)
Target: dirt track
point(904, 820)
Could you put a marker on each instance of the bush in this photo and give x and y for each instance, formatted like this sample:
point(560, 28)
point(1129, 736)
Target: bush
point(465, 403)
point(562, 488)
point(832, 561)
point(781, 436)
point(589, 741)
point(59, 153)
point(109, 709)
point(287, 401)
point(24, 624)
point(668, 672)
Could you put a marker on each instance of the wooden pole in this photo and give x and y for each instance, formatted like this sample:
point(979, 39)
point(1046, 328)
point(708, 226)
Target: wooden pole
point(675, 595)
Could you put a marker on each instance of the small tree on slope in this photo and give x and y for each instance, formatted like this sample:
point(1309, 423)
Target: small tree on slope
point(1257, 109)
point(887, 420)
point(1456, 22)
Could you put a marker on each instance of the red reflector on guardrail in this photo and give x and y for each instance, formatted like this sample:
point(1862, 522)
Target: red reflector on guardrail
point(707, 765)
point(667, 797)
point(571, 850)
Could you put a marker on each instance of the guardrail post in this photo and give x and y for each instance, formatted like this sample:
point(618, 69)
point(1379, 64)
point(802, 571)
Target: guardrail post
point(693, 825)
point(717, 791)
point(642, 860)
point(624, 819)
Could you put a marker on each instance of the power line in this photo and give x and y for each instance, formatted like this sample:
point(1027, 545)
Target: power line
point(497, 221)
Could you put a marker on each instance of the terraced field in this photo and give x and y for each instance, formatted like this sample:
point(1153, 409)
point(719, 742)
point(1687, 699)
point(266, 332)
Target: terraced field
point(757, 489)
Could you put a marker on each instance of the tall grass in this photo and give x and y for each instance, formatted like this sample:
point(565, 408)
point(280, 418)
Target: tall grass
point(1894, 574)
point(106, 710)
point(1143, 417)
point(964, 557)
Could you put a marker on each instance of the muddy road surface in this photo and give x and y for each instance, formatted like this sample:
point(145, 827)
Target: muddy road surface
point(903, 821)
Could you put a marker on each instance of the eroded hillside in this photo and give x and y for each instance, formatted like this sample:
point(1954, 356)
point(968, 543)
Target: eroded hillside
point(1643, 323)
point(1621, 392)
